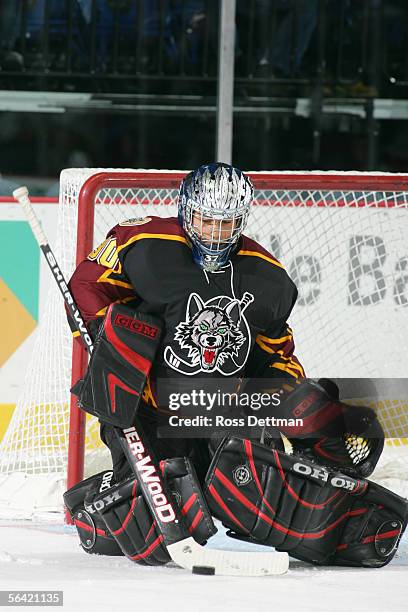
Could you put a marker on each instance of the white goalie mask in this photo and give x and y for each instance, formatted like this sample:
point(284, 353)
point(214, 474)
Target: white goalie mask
point(214, 203)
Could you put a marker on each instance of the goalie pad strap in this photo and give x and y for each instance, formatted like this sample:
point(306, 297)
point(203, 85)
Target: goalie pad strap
point(127, 516)
point(123, 353)
point(303, 508)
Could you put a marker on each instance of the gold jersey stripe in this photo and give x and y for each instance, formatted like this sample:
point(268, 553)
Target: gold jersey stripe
point(154, 236)
point(148, 396)
point(102, 311)
point(291, 362)
point(296, 366)
point(264, 346)
point(285, 368)
point(104, 278)
point(274, 340)
point(275, 262)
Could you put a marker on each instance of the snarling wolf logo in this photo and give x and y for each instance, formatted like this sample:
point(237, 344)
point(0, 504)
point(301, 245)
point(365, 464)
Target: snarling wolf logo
point(212, 334)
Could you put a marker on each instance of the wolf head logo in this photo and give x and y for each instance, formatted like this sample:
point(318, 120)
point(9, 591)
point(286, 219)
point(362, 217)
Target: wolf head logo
point(211, 331)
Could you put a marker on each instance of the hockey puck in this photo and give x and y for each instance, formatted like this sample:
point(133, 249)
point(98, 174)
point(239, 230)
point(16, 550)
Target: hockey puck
point(206, 570)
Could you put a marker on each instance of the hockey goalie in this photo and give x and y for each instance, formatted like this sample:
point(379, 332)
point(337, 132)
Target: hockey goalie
point(178, 299)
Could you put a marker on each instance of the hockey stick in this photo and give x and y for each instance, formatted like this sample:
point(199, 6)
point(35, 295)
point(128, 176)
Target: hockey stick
point(182, 548)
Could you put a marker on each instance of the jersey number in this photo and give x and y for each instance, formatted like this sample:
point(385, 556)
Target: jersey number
point(105, 254)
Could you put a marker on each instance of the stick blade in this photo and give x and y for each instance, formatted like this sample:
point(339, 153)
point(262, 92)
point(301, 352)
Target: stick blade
point(189, 554)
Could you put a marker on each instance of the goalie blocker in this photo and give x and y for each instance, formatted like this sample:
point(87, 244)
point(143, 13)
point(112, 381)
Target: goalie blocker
point(315, 514)
point(123, 354)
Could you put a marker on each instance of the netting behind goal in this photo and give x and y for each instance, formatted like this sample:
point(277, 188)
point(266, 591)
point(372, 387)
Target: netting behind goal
point(341, 236)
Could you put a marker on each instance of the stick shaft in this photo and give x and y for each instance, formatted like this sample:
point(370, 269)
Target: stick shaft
point(21, 195)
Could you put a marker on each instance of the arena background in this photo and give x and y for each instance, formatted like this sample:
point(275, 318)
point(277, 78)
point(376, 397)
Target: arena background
point(172, 84)
point(268, 85)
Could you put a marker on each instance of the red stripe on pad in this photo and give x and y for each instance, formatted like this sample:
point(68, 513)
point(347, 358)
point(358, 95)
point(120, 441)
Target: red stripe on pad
point(196, 520)
point(296, 534)
point(225, 508)
point(130, 513)
point(188, 504)
point(293, 493)
point(87, 527)
point(248, 450)
point(148, 550)
point(138, 361)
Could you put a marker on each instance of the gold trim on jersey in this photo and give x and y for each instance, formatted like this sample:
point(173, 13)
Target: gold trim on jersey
point(156, 236)
point(263, 341)
point(271, 260)
point(292, 363)
point(147, 395)
point(102, 311)
point(104, 278)
point(100, 252)
point(285, 368)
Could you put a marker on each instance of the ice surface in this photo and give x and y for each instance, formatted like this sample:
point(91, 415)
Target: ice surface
point(44, 556)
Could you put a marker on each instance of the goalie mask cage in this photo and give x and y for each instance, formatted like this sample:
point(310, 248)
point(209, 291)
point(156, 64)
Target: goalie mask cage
point(342, 238)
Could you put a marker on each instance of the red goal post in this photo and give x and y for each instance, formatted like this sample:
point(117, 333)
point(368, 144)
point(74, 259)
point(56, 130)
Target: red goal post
point(307, 190)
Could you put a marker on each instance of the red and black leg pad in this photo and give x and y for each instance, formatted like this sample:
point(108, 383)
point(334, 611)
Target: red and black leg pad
point(128, 518)
point(93, 535)
point(312, 512)
point(123, 353)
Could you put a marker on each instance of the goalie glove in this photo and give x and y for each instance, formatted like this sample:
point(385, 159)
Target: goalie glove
point(349, 438)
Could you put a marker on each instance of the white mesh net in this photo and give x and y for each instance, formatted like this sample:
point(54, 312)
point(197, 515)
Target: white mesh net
point(346, 252)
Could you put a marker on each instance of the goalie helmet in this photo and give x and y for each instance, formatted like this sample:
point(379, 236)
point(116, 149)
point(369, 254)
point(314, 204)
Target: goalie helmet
point(213, 210)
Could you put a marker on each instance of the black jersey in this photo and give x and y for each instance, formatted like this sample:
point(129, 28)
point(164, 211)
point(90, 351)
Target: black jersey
point(232, 322)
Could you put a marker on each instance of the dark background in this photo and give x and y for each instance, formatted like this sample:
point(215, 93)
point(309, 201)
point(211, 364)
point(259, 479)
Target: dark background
point(319, 84)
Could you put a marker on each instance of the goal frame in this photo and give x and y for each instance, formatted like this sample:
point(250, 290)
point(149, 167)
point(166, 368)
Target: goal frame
point(314, 180)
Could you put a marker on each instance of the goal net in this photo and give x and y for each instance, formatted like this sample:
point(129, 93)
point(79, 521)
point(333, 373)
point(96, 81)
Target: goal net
point(342, 238)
